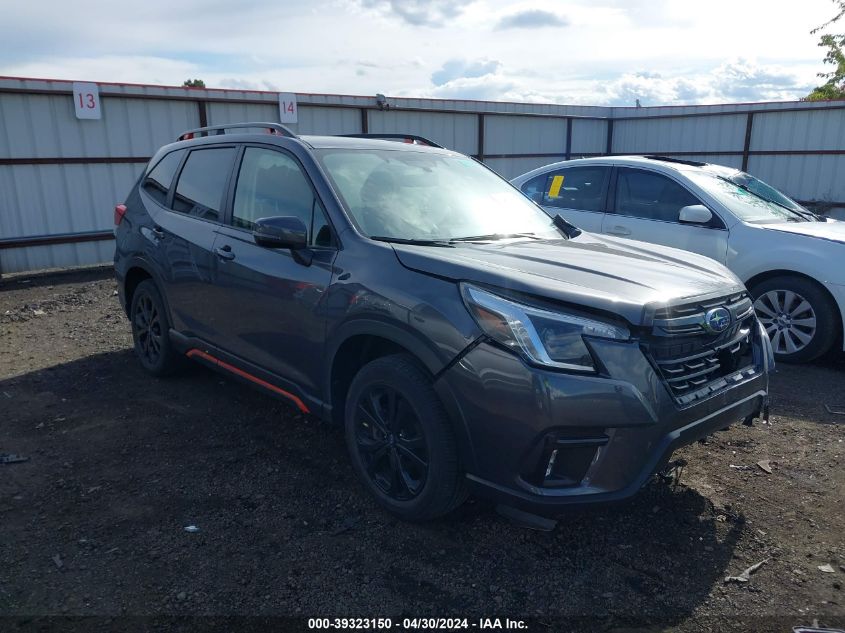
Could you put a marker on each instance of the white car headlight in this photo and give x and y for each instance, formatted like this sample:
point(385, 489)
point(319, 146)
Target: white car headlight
point(552, 339)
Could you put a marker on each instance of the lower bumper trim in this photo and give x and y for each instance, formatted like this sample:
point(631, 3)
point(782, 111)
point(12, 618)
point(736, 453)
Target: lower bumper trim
point(548, 501)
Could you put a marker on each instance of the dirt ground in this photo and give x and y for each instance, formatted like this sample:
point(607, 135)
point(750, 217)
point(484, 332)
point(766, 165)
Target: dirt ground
point(120, 463)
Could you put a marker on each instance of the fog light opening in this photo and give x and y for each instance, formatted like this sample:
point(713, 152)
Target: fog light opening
point(569, 460)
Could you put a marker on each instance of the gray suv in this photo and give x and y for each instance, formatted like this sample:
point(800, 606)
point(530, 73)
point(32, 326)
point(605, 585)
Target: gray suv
point(463, 339)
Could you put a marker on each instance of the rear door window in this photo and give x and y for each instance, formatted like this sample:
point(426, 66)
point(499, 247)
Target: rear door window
point(158, 181)
point(581, 188)
point(202, 183)
point(650, 196)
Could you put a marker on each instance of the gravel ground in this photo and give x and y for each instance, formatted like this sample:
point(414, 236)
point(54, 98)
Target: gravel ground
point(93, 524)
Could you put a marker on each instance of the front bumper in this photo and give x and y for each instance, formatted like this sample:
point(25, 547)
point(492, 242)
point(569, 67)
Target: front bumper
point(610, 433)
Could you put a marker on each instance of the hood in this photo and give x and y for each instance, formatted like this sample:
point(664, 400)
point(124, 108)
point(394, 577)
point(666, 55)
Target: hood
point(832, 230)
point(618, 276)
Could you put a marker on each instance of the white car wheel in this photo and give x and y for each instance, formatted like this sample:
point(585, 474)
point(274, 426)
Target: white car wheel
point(799, 316)
point(788, 318)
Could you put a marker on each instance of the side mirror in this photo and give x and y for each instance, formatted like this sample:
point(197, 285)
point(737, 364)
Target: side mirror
point(695, 214)
point(281, 232)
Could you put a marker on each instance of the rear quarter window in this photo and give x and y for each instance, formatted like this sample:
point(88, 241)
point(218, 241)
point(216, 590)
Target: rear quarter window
point(158, 180)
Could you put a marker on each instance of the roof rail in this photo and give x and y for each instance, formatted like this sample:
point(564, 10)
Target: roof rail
point(272, 128)
point(413, 139)
point(670, 159)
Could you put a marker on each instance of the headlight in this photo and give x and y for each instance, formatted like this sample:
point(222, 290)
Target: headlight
point(546, 338)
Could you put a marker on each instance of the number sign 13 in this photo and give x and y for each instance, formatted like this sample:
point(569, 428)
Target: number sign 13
point(86, 100)
point(287, 108)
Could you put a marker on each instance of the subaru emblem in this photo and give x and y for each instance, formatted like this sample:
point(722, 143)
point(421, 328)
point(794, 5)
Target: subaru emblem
point(717, 320)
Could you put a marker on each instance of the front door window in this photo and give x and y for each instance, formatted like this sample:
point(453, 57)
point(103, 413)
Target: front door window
point(650, 196)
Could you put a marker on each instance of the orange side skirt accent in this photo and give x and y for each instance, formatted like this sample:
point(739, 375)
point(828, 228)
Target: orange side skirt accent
point(299, 404)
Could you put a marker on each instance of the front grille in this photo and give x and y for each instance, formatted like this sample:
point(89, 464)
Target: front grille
point(695, 362)
point(689, 318)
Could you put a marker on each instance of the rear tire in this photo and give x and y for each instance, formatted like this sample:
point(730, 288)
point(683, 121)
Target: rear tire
point(799, 316)
point(151, 331)
point(401, 441)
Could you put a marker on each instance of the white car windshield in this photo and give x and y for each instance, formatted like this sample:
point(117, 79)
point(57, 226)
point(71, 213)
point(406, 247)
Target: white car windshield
point(745, 203)
point(757, 186)
point(426, 196)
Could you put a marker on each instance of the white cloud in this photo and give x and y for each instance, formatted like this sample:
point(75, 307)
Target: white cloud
point(737, 80)
point(459, 68)
point(419, 12)
point(531, 19)
point(612, 52)
point(651, 13)
point(245, 84)
point(116, 68)
point(488, 87)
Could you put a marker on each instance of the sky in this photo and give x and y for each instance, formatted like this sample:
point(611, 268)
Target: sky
point(592, 52)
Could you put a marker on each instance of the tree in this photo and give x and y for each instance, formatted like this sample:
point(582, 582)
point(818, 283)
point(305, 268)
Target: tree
point(199, 83)
point(834, 87)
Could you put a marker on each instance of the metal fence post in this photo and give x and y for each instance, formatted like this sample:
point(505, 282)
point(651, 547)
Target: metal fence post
point(481, 137)
point(203, 113)
point(749, 124)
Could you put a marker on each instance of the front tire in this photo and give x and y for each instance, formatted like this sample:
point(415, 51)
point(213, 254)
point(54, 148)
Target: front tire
point(798, 315)
point(401, 441)
point(151, 331)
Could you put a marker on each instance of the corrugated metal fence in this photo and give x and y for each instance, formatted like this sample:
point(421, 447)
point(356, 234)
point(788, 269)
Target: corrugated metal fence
point(60, 177)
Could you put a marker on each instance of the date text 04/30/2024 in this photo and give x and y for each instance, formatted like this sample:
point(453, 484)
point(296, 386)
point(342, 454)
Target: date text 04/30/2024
point(408, 624)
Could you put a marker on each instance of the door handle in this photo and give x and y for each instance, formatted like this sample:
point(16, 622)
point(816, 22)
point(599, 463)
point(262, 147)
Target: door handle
point(619, 230)
point(224, 252)
point(158, 232)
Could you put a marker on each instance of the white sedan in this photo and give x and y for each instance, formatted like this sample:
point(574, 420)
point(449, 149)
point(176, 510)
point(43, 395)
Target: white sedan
point(791, 260)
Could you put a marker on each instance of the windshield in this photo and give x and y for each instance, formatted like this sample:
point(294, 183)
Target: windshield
point(768, 192)
point(408, 195)
point(745, 205)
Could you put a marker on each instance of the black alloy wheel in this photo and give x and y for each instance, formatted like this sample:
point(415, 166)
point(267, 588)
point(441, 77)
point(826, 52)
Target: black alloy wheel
point(401, 441)
point(147, 328)
point(391, 442)
point(151, 331)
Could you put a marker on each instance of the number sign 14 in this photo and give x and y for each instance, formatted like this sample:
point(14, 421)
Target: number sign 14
point(86, 100)
point(287, 107)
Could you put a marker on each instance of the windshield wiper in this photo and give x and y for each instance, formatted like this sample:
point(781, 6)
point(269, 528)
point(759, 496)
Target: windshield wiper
point(493, 237)
point(809, 215)
point(413, 242)
point(569, 230)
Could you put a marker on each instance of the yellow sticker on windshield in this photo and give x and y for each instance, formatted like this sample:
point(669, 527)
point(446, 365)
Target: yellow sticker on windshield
point(554, 190)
